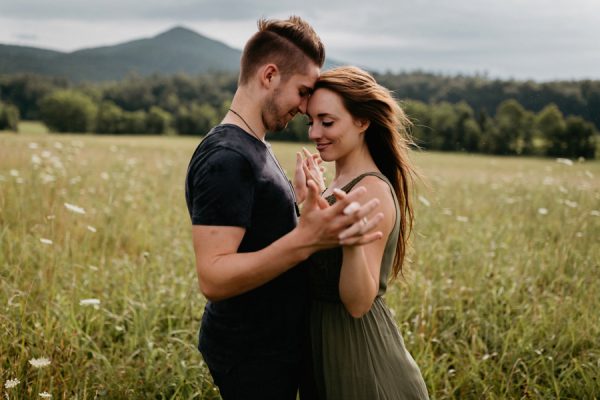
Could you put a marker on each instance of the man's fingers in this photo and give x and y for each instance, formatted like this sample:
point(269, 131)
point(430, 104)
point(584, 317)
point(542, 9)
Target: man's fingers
point(361, 227)
point(361, 240)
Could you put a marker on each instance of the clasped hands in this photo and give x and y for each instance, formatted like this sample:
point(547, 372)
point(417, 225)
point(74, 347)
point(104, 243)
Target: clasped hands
point(346, 222)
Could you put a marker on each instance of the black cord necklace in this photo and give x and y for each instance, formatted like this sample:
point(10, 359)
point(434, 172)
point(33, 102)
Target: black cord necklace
point(248, 125)
point(293, 192)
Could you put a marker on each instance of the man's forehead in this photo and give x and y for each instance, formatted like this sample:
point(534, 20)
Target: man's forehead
point(310, 76)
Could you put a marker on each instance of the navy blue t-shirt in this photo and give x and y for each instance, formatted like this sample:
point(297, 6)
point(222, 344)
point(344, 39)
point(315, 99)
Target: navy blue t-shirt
point(234, 180)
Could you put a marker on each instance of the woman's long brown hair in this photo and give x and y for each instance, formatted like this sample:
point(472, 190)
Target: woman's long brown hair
point(387, 138)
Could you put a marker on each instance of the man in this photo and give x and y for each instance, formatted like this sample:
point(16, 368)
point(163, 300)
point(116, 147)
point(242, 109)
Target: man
point(248, 240)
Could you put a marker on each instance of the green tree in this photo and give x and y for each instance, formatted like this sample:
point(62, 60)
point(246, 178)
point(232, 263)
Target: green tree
point(197, 119)
point(579, 138)
point(419, 114)
point(68, 111)
point(110, 118)
point(9, 117)
point(552, 128)
point(157, 120)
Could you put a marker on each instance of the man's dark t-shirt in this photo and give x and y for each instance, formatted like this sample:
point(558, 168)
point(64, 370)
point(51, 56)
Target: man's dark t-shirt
point(234, 180)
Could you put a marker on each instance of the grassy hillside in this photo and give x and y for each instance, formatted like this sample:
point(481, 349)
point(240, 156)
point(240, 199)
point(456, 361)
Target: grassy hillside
point(500, 298)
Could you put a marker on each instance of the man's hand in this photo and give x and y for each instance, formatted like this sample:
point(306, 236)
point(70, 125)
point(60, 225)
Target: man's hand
point(324, 226)
point(307, 168)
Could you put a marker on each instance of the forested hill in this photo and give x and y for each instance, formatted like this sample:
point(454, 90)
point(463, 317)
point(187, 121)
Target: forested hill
point(178, 50)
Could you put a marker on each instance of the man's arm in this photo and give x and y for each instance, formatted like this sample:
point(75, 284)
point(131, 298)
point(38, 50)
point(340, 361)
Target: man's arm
point(223, 272)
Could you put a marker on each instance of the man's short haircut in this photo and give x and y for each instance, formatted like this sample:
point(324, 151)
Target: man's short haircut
point(290, 44)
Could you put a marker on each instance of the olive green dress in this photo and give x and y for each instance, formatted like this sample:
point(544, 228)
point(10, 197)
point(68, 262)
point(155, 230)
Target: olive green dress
point(364, 358)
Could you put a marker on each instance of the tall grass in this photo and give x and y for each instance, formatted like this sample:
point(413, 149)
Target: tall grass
point(500, 299)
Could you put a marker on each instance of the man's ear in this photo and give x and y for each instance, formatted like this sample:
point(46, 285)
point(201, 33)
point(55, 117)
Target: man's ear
point(269, 75)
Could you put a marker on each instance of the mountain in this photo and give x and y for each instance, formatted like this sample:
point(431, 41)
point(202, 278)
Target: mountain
point(178, 50)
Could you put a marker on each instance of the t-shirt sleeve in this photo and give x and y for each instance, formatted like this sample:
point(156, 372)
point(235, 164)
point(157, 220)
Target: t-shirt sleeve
point(222, 190)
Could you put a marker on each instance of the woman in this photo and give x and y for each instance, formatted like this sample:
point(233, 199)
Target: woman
point(358, 352)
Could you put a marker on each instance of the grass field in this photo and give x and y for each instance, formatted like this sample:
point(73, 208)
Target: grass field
point(501, 299)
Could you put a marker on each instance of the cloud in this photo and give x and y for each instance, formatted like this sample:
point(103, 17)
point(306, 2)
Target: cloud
point(533, 38)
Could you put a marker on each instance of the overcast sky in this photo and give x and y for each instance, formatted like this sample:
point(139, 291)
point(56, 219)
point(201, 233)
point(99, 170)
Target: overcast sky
point(522, 39)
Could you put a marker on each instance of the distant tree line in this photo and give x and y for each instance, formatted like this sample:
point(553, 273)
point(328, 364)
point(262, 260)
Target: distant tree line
point(470, 114)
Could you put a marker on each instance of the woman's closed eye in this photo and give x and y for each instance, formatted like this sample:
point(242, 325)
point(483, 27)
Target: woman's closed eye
point(326, 124)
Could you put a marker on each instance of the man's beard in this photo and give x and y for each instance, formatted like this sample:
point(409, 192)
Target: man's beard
point(273, 118)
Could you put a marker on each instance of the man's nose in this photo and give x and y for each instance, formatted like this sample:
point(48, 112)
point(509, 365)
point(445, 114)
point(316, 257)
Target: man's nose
point(303, 105)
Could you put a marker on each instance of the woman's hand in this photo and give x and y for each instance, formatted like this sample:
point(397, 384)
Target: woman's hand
point(307, 168)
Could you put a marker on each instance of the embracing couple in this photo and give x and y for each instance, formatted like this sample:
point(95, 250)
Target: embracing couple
point(295, 299)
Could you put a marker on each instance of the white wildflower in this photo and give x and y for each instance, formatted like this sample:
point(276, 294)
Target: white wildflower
point(589, 174)
point(564, 161)
point(579, 234)
point(50, 216)
point(91, 229)
point(33, 145)
point(14, 172)
point(89, 302)
point(11, 383)
point(36, 160)
point(46, 154)
point(447, 211)
point(45, 241)
point(563, 189)
point(542, 211)
point(74, 208)
point(105, 176)
point(39, 362)
point(45, 395)
point(424, 201)
point(595, 213)
point(93, 267)
point(47, 178)
point(548, 181)
point(461, 218)
point(570, 203)
point(19, 180)
point(75, 180)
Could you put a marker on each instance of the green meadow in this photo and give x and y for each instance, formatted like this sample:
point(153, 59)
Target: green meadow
point(99, 297)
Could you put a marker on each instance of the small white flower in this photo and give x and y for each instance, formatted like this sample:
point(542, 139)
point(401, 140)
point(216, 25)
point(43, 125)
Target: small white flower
point(11, 383)
point(39, 362)
point(91, 229)
point(595, 213)
point(74, 208)
point(424, 201)
point(47, 178)
point(46, 154)
point(564, 161)
point(589, 174)
point(46, 241)
point(13, 172)
point(89, 302)
point(36, 160)
point(50, 216)
point(570, 203)
point(460, 218)
point(542, 211)
point(33, 145)
point(447, 211)
point(105, 176)
point(45, 395)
